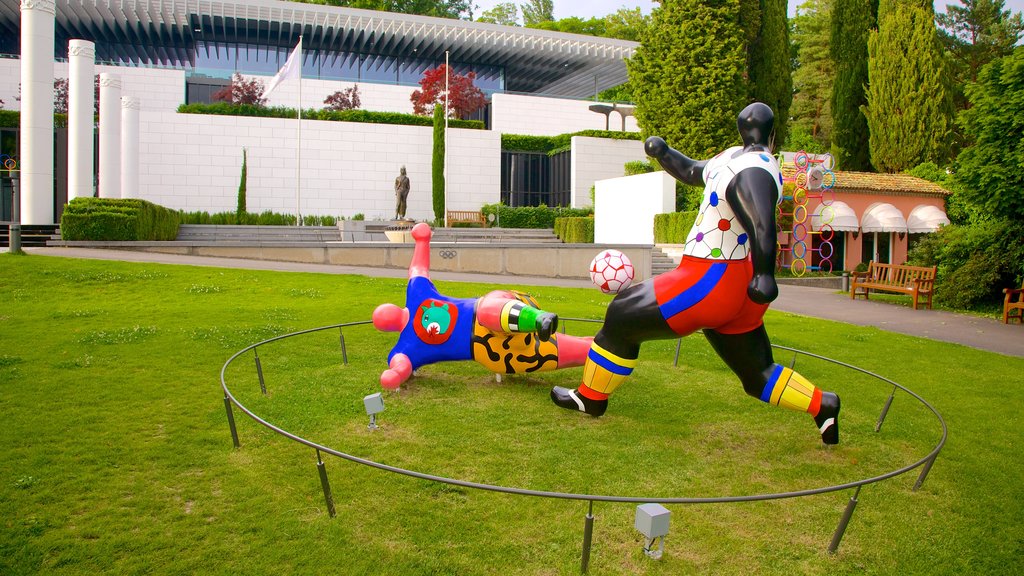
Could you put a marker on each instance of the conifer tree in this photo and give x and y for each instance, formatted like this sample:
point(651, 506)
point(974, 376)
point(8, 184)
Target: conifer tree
point(851, 22)
point(770, 71)
point(909, 105)
point(437, 165)
point(688, 75)
point(812, 80)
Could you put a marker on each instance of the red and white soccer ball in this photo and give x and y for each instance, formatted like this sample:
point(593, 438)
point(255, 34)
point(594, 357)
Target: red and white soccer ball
point(611, 271)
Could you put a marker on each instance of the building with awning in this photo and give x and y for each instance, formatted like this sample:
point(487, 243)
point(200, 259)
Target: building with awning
point(867, 216)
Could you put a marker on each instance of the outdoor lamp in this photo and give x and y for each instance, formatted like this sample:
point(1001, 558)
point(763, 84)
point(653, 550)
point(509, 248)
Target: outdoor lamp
point(652, 522)
point(374, 405)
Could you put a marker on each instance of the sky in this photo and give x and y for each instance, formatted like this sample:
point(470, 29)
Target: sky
point(596, 8)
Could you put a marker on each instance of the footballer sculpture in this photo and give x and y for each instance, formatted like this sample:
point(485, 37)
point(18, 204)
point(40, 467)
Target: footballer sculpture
point(722, 286)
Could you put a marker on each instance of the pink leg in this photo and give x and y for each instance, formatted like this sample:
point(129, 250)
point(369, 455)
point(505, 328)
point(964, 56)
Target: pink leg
point(420, 265)
point(573, 350)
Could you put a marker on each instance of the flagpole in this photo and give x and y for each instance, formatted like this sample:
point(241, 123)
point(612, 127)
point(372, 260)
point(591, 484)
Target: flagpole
point(447, 73)
point(298, 142)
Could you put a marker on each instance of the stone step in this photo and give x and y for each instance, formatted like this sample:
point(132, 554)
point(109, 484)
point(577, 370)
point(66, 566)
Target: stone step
point(31, 235)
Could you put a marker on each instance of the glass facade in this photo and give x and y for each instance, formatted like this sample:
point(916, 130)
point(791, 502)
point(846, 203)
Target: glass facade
point(222, 60)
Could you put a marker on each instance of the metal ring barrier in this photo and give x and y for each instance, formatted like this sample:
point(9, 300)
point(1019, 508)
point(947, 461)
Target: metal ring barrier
point(925, 463)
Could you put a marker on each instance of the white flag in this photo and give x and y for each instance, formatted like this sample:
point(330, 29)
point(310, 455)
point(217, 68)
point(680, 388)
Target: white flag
point(292, 69)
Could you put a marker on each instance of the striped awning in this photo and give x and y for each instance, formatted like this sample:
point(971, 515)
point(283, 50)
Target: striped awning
point(883, 217)
point(926, 218)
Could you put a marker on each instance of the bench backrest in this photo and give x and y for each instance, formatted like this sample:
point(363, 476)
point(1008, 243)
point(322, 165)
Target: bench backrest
point(898, 274)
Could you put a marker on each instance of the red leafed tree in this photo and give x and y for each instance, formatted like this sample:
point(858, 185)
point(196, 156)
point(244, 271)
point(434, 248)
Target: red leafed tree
point(241, 91)
point(464, 97)
point(347, 99)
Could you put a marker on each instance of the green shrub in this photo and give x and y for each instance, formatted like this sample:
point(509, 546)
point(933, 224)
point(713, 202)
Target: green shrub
point(634, 167)
point(555, 144)
point(117, 219)
point(575, 230)
point(975, 262)
point(367, 116)
point(673, 228)
point(12, 119)
point(530, 216)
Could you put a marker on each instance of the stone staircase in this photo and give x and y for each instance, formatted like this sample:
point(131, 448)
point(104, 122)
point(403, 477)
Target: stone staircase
point(665, 257)
point(31, 235)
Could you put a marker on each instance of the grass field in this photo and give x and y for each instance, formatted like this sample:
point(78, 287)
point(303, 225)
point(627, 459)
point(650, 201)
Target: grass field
point(116, 458)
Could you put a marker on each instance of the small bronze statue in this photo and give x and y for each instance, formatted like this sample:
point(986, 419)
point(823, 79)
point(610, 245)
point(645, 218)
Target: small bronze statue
point(401, 194)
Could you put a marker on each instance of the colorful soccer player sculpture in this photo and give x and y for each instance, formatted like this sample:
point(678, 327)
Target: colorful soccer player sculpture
point(723, 284)
point(505, 330)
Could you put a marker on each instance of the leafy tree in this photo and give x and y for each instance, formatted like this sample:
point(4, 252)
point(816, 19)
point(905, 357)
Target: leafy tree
point(769, 67)
point(626, 24)
point(688, 75)
point(851, 21)
point(909, 109)
point(811, 113)
point(347, 99)
point(60, 96)
point(973, 35)
point(537, 11)
point(437, 165)
point(976, 33)
point(439, 8)
point(504, 13)
point(242, 91)
point(989, 173)
point(464, 98)
point(574, 25)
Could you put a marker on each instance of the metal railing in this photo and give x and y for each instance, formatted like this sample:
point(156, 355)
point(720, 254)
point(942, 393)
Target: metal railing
point(925, 463)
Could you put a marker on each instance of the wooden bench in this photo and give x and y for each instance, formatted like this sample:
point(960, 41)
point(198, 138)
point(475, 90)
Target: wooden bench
point(916, 281)
point(1013, 308)
point(466, 217)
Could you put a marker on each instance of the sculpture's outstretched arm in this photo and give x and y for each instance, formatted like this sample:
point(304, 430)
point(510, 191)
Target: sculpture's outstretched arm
point(680, 167)
point(753, 195)
point(420, 265)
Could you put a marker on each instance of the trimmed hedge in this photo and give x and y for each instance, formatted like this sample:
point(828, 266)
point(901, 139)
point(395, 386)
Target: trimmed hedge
point(12, 119)
point(530, 216)
point(673, 228)
point(117, 219)
point(574, 230)
point(367, 116)
point(555, 144)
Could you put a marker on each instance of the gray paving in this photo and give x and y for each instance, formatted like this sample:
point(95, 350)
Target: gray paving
point(976, 332)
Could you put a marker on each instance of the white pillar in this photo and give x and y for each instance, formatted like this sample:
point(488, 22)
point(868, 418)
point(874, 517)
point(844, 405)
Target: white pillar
point(36, 155)
point(110, 135)
point(81, 106)
point(129, 147)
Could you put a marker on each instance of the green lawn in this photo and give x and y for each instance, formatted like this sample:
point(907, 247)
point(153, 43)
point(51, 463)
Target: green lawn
point(115, 454)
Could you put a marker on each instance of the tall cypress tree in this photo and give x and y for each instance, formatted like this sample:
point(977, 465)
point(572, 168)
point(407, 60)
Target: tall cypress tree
point(688, 75)
point(771, 79)
point(437, 164)
point(852, 20)
point(909, 104)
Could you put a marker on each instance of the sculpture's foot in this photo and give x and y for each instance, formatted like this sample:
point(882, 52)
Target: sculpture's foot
point(828, 418)
point(573, 400)
point(547, 324)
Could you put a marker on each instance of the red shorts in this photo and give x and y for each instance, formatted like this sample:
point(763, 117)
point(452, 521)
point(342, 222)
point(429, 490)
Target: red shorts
point(712, 294)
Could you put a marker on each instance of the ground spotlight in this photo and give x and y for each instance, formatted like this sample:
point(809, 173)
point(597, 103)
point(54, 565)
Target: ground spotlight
point(652, 522)
point(374, 405)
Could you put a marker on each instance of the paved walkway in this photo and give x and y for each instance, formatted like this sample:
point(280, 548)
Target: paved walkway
point(982, 333)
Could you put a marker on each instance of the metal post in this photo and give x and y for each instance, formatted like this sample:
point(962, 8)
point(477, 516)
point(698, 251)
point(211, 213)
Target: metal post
point(259, 371)
point(15, 229)
point(841, 529)
point(344, 352)
point(792, 365)
point(885, 410)
point(328, 498)
point(231, 422)
point(588, 534)
point(679, 344)
point(924, 472)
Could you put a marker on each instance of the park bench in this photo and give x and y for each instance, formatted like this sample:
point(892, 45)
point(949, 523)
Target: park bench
point(466, 217)
point(899, 278)
point(1013, 308)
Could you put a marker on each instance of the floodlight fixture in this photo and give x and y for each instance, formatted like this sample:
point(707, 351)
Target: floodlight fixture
point(374, 404)
point(652, 522)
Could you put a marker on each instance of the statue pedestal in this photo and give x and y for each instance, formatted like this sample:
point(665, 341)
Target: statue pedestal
point(400, 231)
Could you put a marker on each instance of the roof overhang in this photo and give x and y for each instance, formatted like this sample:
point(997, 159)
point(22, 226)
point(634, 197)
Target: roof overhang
point(926, 218)
point(838, 216)
point(883, 217)
point(165, 31)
